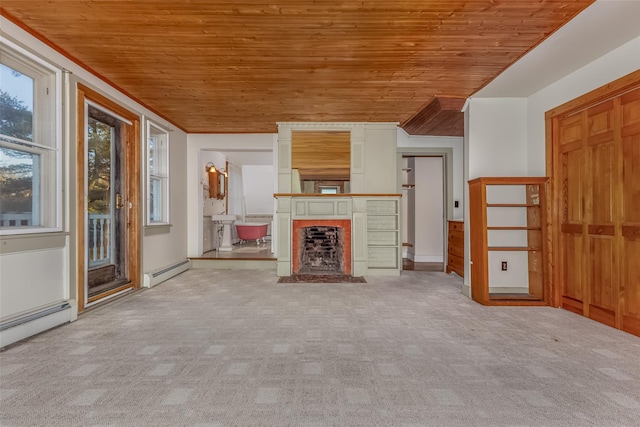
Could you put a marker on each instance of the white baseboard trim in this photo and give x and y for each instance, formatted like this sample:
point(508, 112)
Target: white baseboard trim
point(508, 290)
point(32, 324)
point(427, 258)
point(465, 290)
point(159, 275)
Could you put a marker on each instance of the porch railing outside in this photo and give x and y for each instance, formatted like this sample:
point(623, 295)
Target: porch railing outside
point(99, 239)
point(16, 219)
point(99, 234)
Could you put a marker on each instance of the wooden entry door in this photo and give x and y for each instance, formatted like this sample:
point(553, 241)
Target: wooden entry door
point(596, 151)
point(108, 205)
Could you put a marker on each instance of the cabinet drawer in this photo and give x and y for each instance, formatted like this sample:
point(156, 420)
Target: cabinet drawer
point(382, 207)
point(456, 248)
point(381, 257)
point(382, 238)
point(455, 263)
point(382, 222)
point(456, 239)
point(456, 226)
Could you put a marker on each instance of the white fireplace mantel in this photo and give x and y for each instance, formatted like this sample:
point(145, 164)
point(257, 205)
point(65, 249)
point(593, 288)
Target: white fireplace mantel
point(372, 206)
point(376, 248)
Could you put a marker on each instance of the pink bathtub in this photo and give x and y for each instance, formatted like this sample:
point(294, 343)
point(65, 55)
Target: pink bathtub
point(252, 231)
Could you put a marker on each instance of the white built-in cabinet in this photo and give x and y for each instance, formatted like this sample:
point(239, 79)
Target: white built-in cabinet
point(372, 205)
point(383, 235)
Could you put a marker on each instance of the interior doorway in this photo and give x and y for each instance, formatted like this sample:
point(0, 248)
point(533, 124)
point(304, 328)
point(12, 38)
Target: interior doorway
point(108, 208)
point(424, 207)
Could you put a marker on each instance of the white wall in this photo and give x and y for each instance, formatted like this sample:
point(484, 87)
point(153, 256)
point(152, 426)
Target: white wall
point(380, 169)
point(25, 287)
point(457, 146)
point(429, 210)
point(617, 63)
point(162, 250)
point(497, 137)
point(193, 186)
point(258, 181)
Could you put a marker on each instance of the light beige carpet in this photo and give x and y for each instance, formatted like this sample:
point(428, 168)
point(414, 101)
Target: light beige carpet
point(235, 348)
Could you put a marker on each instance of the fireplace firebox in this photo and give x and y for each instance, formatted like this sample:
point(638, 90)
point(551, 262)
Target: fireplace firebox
point(322, 247)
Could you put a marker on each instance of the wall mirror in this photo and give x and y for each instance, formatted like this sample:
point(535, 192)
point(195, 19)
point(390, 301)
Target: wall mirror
point(217, 182)
point(320, 162)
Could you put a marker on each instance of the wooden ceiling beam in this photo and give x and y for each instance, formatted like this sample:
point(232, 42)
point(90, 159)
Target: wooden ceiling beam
point(440, 117)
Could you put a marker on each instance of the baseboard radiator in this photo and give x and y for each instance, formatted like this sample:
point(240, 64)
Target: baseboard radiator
point(155, 277)
point(28, 325)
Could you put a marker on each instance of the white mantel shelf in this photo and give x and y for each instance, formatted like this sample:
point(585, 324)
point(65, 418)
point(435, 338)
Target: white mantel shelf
point(277, 195)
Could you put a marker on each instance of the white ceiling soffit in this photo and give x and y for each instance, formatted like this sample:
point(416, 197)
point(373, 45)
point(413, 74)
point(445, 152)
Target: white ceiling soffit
point(600, 28)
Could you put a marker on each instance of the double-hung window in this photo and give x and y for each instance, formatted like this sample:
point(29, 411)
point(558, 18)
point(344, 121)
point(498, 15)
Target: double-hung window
point(157, 175)
point(30, 141)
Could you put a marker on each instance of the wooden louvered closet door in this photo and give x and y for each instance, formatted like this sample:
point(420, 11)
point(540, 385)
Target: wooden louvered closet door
point(599, 167)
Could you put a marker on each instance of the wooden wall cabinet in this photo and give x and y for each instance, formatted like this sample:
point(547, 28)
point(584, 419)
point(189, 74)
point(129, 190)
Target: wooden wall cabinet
point(455, 248)
point(508, 230)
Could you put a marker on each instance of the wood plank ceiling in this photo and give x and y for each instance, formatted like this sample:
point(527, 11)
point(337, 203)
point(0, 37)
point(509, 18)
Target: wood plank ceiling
point(223, 66)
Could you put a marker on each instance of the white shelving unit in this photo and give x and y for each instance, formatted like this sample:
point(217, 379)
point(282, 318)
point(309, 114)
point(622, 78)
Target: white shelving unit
point(383, 236)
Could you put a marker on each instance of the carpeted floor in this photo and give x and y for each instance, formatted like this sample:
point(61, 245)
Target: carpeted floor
point(236, 348)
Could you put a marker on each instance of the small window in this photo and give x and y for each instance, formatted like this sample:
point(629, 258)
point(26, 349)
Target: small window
point(30, 135)
point(329, 190)
point(157, 175)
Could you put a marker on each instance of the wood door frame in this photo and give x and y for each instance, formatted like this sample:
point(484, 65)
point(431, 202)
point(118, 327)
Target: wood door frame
point(554, 194)
point(131, 183)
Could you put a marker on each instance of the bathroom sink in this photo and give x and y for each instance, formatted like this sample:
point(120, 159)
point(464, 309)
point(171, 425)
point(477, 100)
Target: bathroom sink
point(223, 218)
point(226, 220)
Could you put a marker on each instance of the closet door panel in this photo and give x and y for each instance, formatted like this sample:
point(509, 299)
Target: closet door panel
point(630, 222)
point(572, 229)
point(631, 286)
point(602, 280)
point(603, 291)
point(572, 273)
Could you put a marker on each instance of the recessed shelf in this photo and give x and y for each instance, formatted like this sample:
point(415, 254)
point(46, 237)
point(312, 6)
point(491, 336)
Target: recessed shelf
point(511, 229)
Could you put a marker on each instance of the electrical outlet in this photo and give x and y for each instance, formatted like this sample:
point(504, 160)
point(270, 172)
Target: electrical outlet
point(504, 265)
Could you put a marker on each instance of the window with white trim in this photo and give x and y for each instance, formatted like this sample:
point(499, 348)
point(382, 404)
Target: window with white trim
point(157, 175)
point(30, 139)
